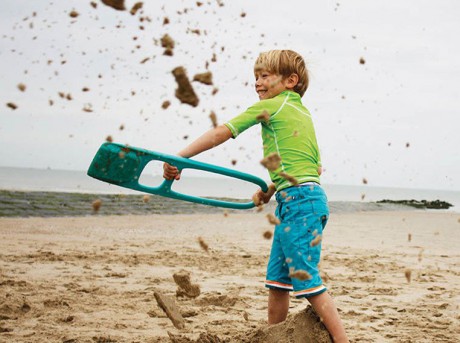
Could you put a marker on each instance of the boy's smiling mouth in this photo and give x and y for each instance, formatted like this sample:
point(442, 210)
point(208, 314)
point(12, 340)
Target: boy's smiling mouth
point(261, 92)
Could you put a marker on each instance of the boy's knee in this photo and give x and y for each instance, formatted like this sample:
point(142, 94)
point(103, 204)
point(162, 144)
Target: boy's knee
point(278, 294)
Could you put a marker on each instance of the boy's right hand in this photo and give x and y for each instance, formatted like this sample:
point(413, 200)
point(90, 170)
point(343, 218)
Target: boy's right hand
point(170, 172)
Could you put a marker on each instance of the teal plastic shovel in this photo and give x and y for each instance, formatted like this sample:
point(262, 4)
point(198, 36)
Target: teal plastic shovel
point(122, 165)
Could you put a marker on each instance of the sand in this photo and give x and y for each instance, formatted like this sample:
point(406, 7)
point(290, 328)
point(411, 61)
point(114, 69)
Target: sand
point(93, 279)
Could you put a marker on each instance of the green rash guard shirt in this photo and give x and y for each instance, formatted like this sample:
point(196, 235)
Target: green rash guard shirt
point(289, 132)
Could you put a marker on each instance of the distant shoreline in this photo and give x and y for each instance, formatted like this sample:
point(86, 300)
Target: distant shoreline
point(62, 204)
point(425, 204)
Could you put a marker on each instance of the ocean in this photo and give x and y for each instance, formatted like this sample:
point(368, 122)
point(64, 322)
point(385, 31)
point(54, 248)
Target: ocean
point(65, 181)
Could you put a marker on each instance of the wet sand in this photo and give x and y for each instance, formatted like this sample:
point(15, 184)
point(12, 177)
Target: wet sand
point(395, 276)
point(66, 204)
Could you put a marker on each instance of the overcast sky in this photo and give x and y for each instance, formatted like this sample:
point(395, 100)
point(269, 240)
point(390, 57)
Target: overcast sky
point(393, 120)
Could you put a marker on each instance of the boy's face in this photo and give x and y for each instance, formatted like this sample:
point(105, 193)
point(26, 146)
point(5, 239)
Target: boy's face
point(268, 85)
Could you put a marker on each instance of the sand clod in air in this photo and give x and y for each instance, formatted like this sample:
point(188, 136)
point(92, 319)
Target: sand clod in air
point(22, 87)
point(97, 205)
point(203, 244)
point(300, 274)
point(87, 108)
point(136, 7)
point(12, 105)
point(185, 286)
point(268, 234)
point(272, 161)
point(168, 43)
point(213, 118)
point(119, 5)
point(264, 116)
point(407, 274)
point(272, 219)
point(204, 78)
point(73, 14)
point(165, 104)
point(169, 306)
point(184, 92)
point(420, 254)
point(289, 178)
point(316, 241)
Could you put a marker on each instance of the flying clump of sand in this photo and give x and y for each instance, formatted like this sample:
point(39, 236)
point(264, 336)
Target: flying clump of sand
point(184, 92)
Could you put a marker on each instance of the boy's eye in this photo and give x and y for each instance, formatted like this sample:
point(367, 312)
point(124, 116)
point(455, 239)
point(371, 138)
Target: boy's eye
point(262, 75)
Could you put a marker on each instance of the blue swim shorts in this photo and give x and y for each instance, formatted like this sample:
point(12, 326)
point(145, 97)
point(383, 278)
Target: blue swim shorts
point(296, 247)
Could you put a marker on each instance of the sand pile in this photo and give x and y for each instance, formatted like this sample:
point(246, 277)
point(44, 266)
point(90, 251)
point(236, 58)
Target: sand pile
point(302, 327)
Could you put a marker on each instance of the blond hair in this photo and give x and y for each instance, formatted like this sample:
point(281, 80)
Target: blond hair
point(284, 63)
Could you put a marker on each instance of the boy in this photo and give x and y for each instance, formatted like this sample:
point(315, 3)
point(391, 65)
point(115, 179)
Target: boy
point(288, 136)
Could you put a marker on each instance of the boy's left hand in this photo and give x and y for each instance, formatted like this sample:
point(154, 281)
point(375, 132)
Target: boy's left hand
point(170, 172)
point(260, 197)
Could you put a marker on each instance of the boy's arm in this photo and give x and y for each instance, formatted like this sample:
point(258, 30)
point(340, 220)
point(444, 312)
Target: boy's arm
point(208, 140)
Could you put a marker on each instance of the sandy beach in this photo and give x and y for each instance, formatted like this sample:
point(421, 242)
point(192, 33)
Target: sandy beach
point(395, 277)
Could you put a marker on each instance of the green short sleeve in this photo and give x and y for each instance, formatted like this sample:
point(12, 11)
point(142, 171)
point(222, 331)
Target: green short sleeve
point(251, 116)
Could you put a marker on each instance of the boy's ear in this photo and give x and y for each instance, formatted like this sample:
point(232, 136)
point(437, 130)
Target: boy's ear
point(292, 80)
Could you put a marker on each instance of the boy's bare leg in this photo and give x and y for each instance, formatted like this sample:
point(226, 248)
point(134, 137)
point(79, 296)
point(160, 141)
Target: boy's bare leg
point(278, 306)
point(327, 311)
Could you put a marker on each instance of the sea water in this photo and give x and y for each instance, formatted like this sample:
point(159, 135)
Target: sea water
point(49, 180)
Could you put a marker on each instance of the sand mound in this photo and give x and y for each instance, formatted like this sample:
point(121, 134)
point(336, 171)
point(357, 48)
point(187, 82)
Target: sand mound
point(304, 326)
